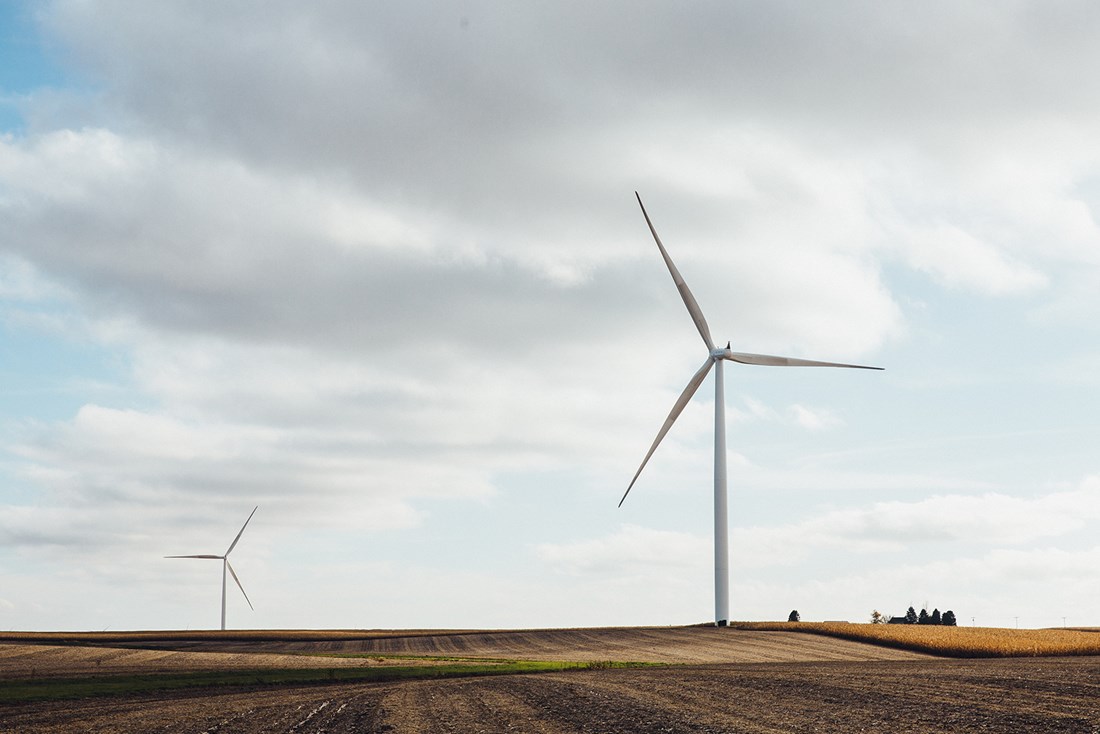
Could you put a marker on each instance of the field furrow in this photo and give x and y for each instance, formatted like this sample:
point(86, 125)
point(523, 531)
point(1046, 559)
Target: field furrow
point(688, 645)
point(1045, 697)
point(749, 682)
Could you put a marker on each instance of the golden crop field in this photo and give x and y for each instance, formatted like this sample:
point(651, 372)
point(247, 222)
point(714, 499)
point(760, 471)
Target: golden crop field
point(959, 642)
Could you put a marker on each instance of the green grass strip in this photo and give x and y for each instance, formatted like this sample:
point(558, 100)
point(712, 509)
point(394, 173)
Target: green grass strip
point(53, 689)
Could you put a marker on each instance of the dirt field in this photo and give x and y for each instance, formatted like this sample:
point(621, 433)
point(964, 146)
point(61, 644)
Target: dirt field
point(725, 681)
point(1026, 695)
point(50, 661)
point(656, 644)
point(635, 644)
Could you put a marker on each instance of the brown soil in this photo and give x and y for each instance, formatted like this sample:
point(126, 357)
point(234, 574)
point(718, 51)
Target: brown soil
point(48, 661)
point(1020, 695)
point(633, 644)
point(726, 681)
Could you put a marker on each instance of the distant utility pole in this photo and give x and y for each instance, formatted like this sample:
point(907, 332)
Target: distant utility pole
point(1017, 622)
point(972, 623)
point(1063, 622)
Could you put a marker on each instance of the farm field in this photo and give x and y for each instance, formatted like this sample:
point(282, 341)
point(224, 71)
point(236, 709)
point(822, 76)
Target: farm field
point(675, 645)
point(53, 661)
point(1019, 695)
point(957, 642)
point(100, 654)
point(713, 681)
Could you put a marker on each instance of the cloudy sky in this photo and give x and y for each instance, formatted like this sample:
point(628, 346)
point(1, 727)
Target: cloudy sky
point(378, 269)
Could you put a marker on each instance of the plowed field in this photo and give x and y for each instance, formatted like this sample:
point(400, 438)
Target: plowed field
point(719, 681)
point(1035, 696)
point(635, 644)
point(51, 661)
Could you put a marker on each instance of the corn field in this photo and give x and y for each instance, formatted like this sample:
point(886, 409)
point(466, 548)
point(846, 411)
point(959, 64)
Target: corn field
point(956, 642)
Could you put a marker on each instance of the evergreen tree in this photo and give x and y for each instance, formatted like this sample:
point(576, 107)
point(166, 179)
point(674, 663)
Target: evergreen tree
point(949, 619)
point(793, 616)
point(923, 618)
point(936, 617)
point(911, 616)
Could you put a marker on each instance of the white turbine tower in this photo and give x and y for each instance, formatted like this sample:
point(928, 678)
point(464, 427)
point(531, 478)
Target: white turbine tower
point(715, 357)
point(228, 566)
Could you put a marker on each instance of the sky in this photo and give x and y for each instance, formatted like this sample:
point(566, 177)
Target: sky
point(378, 269)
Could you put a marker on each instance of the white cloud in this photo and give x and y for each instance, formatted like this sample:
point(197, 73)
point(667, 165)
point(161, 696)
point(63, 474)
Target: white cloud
point(814, 420)
point(990, 520)
point(631, 550)
point(997, 588)
point(960, 260)
point(19, 282)
point(987, 519)
point(353, 262)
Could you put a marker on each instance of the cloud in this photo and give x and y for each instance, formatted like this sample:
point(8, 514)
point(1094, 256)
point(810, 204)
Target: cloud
point(997, 588)
point(631, 550)
point(813, 420)
point(107, 462)
point(798, 415)
point(987, 520)
point(19, 282)
point(352, 261)
point(272, 321)
point(990, 520)
point(958, 259)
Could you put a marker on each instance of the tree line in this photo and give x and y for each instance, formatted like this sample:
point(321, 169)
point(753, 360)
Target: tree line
point(912, 617)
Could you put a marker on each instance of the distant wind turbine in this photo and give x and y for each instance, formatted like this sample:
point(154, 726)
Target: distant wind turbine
point(715, 357)
point(227, 566)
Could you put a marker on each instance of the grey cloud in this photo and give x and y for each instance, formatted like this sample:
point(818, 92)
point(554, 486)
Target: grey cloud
point(343, 78)
point(205, 247)
point(346, 304)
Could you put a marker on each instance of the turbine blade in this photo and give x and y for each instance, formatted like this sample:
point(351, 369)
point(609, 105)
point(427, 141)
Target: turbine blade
point(202, 556)
point(234, 575)
point(234, 543)
point(685, 292)
point(769, 361)
point(681, 402)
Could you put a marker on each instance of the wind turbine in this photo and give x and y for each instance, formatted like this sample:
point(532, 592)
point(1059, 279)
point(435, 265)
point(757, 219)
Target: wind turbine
point(715, 357)
point(228, 566)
